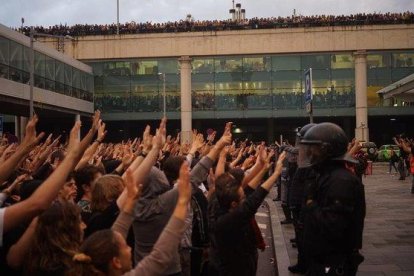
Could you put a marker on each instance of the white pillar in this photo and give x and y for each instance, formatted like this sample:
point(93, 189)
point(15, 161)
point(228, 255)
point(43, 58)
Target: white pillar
point(186, 116)
point(361, 106)
point(78, 118)
point(17, 127)
point(22, 126)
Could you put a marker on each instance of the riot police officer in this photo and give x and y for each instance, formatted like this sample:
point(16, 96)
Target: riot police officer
point(301, 181)
point(335, 205)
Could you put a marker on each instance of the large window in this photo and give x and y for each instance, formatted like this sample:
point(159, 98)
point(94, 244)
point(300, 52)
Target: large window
point(228, 64)
point(203, 65)
point(49, 73)
point(342, 61)
point(316, 61)
point(280, 63)
point(136, 85)
point(4, 57)
point(245, 82)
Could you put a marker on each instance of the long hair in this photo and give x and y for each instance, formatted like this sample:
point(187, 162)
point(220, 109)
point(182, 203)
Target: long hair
point(107, 189)
point(171, 168)
point(227, 187)
point(85, 176)
point(57, 238)
point(96, 253)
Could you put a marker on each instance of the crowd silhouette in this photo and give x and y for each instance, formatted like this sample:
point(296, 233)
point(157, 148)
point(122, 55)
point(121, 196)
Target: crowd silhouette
point(227, 25)
point(223, 101)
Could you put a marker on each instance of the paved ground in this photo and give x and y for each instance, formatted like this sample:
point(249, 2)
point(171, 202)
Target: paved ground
point(389, 227)
point(267, 262)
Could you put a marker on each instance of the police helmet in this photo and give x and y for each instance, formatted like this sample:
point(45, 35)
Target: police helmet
point(330, 141)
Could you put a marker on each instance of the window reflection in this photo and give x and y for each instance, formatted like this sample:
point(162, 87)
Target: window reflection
point(403, 60)
point(378, 60)
point(252, 82)
point(342, 61)
point(228, 64)
point(203, 65)
point(49, 73)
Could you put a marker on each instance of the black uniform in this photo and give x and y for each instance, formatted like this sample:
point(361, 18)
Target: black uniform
point(334, 221)
point(303, 179)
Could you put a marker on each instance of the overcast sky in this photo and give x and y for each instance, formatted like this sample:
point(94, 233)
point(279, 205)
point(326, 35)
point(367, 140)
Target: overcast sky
point(48, 12)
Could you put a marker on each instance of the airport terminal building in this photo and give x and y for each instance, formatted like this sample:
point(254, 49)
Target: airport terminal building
point(252, 77)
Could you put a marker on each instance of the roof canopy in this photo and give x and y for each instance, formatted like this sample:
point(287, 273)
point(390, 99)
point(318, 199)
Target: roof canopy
point(402, 89)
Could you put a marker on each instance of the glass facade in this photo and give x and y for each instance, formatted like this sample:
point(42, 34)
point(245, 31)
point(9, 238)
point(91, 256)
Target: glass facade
point(49, 74)
point(384, 68)
point(261, 82)
point(136, 85)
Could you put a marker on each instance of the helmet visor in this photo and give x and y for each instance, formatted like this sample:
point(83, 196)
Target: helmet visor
point(309, 155)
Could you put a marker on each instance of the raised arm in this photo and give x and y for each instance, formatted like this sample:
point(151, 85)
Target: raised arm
point(47, 192)
point(221, 164)
point(255, 182)
point(258, 166)
point(224, 141)
point(126, 216)
point(167, 244)
point(18, 252)
point(93, 147)
point(200, 171)
point(268, 184)
point(140, 173)
point(197, 144)
point(31, 139)
point(44, 154)
point(157, 143)
point(238, 158)
point(147, 145)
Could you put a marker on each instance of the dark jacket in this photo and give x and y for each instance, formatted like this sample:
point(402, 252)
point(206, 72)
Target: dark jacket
point(235, 238)
point(335, 218)
point(301, 182)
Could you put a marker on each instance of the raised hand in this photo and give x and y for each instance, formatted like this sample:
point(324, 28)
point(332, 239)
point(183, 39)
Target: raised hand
point(48, 140)
point(147, 139)
point(128, 157)
point(74, 141)
point(7, 152)
point(210, 137)
point(31, 138)
point(184, 187)
point(248, 162)
point(262, 154)
point(226, 138)
point(101, 131)
point(160, 136)
point(56, 141)
point(96, 119)
point(279, 163)
point(133, 190)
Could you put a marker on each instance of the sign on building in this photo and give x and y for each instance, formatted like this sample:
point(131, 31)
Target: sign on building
point(308, 90)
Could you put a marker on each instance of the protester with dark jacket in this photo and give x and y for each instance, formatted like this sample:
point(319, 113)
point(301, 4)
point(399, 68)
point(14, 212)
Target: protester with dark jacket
point(233, 234)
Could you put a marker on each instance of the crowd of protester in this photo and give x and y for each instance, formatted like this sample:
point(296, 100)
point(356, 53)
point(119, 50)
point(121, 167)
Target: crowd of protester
point(153, 205)
point(210, 101)
point(226, 25)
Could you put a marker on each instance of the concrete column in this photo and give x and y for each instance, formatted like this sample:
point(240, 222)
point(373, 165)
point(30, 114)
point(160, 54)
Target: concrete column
point(361, 106)
point(186, 116)
point(22, 126)
point(78, 118)
point(17, 127)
